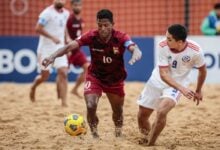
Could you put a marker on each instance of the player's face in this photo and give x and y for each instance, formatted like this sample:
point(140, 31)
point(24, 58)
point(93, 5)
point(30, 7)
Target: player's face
point(59, 3)
point(171, 42)
point(104, 28)
point(76, 7)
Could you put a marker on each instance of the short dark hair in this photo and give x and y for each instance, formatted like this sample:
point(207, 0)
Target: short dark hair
point(178, 32)
point(217, 6)
point(105, 14)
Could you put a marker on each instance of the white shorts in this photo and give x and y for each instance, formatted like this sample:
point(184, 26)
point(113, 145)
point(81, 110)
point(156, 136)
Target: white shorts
point(58, 63)
point(151, 96)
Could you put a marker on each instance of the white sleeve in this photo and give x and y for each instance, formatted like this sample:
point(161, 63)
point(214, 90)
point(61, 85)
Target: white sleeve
point(199, 59)
point(44, 17)
point(162, 57)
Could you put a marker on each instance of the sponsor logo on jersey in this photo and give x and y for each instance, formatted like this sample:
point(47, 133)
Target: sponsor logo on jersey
point(115, 50)
point(76, 25)
point(97, 50)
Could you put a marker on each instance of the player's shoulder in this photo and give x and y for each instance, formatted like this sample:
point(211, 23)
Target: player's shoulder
point(121, 36)
point(49, 8)
point(66, 11)
point(49, 11)
point(193, 46)
point(118, 33)
point(91, 33)
point(163, 43)
point(72, 16)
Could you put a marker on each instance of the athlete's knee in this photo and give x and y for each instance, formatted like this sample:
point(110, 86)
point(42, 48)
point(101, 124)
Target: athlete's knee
point(118, 109)
point(144, 113)
point(62, 74)
point(161, 114)
point(45, 76)
point(91, 105)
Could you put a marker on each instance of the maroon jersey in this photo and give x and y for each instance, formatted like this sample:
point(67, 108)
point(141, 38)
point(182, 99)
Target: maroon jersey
point(74, 26)
point(107, 63)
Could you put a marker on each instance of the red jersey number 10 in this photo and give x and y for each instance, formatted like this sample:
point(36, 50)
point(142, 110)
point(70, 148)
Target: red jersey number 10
point(107, 60)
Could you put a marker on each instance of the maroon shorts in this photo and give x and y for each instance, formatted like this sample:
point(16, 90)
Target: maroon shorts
point(78, 58)
point(94, 86)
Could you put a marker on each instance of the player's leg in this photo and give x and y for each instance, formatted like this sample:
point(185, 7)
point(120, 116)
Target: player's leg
point(58, 90)
point(62, 84)
point(61, 64)
point(144, 123)
point(92, 93)
point(92, 118)
point(43, 76)
point(78, 58)
point(117, 103)
point(80, 79)
point(148, 101)
point(170, 98)
point(164, 107)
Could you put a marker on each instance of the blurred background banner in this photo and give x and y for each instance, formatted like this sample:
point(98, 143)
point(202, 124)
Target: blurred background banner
point(143, 20)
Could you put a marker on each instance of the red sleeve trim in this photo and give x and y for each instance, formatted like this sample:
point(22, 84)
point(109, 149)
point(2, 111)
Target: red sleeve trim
point(131, 45)
point(163, 43)
point(201, 66)
point(164, 66)
point(193, 46)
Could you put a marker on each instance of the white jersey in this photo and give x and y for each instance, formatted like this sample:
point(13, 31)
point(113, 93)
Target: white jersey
point(180, 63)
point(54, 23)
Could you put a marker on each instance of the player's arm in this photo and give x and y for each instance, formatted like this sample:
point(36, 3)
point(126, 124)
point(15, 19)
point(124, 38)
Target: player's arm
point(166, 77)
point(201, 78)
point(40, 29)
point(136, 53)
point(60, 52)
point(200, 81)
point(67, 36)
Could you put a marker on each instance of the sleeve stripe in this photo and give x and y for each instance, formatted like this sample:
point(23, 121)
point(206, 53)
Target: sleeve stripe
point(201, 66)
point(128, 43)
point(163, 66)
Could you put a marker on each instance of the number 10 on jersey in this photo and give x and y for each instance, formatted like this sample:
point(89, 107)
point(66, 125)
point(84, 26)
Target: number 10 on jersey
point(107, 60)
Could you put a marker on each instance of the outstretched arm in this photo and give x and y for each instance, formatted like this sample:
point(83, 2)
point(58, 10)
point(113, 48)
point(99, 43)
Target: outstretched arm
point(136, 54)
point(165, 76)
point(60, 52)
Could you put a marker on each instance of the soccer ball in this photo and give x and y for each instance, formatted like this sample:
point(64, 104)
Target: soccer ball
point(75, 125)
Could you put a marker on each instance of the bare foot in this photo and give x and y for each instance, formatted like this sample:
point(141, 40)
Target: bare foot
point(32, 94)
point(143, 141)
point(118, 132)
point(95, 135)
point(74, 92)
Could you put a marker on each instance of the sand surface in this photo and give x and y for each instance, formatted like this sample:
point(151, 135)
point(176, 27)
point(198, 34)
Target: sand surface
point(26, 125)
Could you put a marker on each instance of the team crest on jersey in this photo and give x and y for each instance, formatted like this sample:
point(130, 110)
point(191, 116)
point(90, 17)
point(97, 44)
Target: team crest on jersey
point(115, 50)
point(186, 58)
